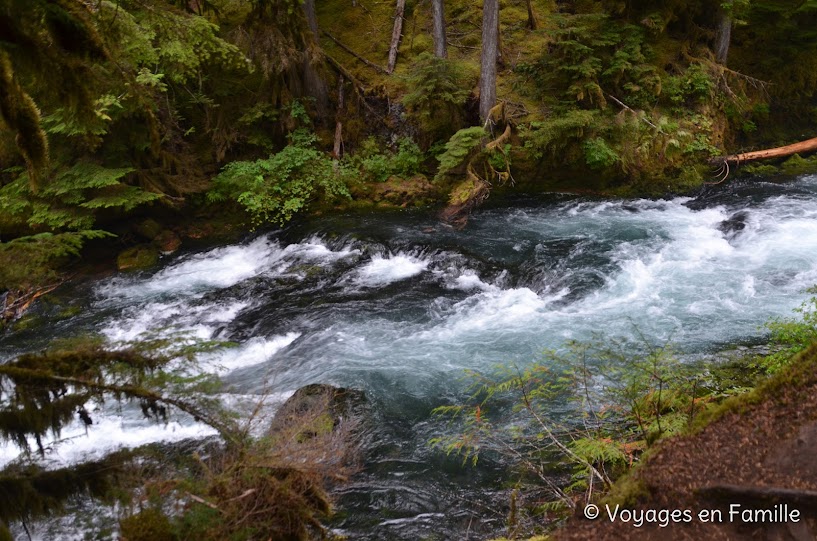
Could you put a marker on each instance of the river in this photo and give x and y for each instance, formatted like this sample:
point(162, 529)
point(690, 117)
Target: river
point(398, 305)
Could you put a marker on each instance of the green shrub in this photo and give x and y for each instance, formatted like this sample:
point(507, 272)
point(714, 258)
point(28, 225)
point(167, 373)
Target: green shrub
point(378, 165)
point(275, 189)
point(598, 154)
point(792, 334)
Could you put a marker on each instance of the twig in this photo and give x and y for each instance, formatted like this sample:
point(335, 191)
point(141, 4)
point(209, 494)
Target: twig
point(204, 502)
point(625, 106)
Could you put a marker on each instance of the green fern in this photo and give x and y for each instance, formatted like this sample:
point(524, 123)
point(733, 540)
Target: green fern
point(459, 148)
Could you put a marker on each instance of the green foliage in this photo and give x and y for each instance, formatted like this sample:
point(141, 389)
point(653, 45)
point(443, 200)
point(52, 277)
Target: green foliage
point(598, 154)
point(462, 145)
point(275, 189)
point(378, 166)
point(72, 198)
point(41, 392)
point(29, 491)
point(592, 55)
point(32, 261)
point(792, 334)
point(437, 91)
point(693, 86)
point(554, 135)
point(622, 402)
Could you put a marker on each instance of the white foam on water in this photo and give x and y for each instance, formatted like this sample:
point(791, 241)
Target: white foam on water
point(224, 267)
point(215, 269)
point(252, 352)
point(197, 321)
point(108, 433)
point(382, 270)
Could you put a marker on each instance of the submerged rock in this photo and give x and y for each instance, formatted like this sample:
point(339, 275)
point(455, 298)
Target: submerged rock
point(148, 228)
point(734, 224)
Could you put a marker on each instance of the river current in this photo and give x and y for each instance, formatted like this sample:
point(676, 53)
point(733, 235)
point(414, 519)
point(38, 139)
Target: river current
point(400, 306)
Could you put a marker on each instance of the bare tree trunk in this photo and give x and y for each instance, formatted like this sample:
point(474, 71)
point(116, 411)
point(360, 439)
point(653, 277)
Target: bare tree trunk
point(396, 34)
point(490, 47)
point(337, 149)
point(809, 145)
point(532, 24)
point(314, 84)
point(724, 35)
point(438, 16)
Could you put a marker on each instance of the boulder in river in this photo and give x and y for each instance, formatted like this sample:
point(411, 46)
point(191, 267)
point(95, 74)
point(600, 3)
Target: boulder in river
point(148, 228)
point(320, 429)
point(329, 405)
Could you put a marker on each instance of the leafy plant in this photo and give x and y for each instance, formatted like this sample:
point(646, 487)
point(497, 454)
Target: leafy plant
point(792, 334)
point(32, 261)
point(378, 165)
point(462, 145)
point(275, 189)
point(598, 154)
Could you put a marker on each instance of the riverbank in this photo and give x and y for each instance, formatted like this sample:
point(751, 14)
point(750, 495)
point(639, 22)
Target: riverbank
point(754, 451)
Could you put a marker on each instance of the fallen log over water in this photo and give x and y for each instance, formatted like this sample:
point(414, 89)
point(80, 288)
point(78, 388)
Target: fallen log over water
point(809, 145)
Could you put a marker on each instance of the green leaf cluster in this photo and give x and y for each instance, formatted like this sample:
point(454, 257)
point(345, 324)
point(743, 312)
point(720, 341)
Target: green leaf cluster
point(792, 334)
point(72, 198)
point(275, 189)
point(378, 165)
point(33, 260)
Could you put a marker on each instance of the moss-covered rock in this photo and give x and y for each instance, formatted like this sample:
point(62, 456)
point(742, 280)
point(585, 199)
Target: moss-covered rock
point(149, 228)
point(167, 242)
point(138, 257)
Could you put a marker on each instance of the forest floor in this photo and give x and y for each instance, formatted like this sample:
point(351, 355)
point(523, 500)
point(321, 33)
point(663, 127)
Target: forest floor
point(762, 447)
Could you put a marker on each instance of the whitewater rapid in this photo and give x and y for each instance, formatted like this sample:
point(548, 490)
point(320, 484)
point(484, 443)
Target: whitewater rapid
point(399, 305)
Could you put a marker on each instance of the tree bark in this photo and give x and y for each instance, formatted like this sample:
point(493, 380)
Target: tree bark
point(809, 145)
point(314, 84)
point(337, 149)
point(490, 47)
point(396, 34)
point(532, 24)
point(724, 35)
point(438, 16)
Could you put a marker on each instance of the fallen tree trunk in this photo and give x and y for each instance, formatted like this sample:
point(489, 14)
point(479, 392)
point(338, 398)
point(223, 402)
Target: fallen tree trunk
point(809, 145)
point(397, 33)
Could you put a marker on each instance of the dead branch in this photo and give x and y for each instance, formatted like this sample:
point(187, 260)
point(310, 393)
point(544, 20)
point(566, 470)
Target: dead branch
point(351, 52)
point(396, 34)
point(627, 107)
point(203, 501)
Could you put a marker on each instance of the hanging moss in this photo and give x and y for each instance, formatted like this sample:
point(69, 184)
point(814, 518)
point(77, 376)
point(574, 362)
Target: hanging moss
point(21, 115)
